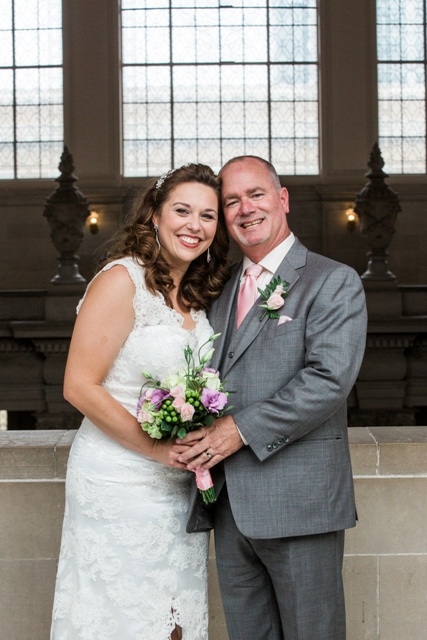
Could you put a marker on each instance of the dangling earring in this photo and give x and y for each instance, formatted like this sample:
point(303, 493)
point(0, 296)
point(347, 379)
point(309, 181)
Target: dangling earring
point(156, 231)
point(208, 256)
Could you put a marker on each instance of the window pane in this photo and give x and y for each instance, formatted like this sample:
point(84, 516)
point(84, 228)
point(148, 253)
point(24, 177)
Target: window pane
point(402, 67)
point(31, 88)
point(205, 81)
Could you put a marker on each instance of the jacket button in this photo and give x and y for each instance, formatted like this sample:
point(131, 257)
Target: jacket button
point(280, 441)
point(269, 447)
point(231, 354)
point(287, 439)
point(275, 445)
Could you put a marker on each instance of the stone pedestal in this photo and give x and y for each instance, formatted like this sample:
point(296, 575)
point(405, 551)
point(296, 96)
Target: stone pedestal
point(390, 386)
point(33, 358)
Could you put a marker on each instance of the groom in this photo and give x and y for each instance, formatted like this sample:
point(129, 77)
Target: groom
point(282, 455)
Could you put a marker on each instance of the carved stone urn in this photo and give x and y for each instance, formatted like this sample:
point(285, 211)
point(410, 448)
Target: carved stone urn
point(66, 210)
point(377, 206)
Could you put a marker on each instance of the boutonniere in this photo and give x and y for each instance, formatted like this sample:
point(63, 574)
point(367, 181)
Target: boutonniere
point(274, 295)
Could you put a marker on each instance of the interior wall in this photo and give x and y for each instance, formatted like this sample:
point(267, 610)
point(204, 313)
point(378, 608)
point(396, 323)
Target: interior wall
point(28, 259)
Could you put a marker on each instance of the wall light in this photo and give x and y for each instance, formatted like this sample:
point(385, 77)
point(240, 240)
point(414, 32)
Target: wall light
point(351, 219)
point(93, 222)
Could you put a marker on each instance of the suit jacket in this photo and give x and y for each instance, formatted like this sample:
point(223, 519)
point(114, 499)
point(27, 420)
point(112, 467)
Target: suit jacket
point(288, 385)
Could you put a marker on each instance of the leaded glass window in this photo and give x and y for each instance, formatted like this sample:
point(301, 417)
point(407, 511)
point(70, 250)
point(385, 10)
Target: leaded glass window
point(402, 54)
point(31, 95)
point(205, 81)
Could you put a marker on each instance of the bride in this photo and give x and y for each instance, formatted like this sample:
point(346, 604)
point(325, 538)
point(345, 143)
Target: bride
point(127, 567)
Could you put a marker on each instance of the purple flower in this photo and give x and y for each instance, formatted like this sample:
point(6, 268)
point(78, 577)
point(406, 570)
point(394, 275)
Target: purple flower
point(140, 402)
point(214, 401)
point(156, 397)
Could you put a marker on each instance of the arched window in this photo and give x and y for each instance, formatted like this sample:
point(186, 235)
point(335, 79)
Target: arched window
point(402, 72)
point(209, 80)
point(31, 94)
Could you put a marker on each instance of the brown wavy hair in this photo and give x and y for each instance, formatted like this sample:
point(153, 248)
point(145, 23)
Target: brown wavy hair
point(203, 281)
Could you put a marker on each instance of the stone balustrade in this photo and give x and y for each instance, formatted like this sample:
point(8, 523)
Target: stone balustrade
point(36, 326)
point(385, 566)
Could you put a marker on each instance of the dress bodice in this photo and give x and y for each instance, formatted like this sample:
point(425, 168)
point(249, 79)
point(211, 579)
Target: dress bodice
point(155, 343)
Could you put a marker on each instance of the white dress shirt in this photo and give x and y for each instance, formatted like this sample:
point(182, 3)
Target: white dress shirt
point(270, 262)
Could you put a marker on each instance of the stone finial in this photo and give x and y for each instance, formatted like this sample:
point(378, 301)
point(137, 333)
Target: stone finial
point(66, 210)
point(377, 206)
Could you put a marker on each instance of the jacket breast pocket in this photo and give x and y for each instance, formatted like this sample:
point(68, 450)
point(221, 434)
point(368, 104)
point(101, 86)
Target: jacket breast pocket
point(290, 329)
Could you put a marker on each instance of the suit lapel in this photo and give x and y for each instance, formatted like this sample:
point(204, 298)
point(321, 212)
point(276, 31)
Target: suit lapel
point(251, 326)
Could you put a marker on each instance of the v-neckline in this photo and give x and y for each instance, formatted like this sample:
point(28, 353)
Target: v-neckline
point(180, 318)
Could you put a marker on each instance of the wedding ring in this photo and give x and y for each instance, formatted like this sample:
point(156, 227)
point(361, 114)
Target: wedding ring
point(209, 455)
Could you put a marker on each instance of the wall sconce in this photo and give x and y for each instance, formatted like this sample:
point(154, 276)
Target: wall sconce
point(351, 219)
point(93, 222)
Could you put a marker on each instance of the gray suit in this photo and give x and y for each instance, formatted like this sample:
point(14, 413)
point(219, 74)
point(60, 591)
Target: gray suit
point(288, 385)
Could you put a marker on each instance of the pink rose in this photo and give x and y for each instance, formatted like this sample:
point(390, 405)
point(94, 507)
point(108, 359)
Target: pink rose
point(177, 392)
point(186, 412)
point(178, 402)
point(148, 393)
point(275, 301)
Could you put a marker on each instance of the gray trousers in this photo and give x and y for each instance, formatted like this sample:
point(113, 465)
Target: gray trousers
point(279, 589)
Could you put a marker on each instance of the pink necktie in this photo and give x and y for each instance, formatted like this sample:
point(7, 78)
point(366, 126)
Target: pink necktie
point(248, 291)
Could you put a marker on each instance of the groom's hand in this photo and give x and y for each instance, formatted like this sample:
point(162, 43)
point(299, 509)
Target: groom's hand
point(211, 445)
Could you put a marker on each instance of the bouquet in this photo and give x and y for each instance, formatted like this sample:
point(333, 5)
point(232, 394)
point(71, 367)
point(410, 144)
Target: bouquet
point(183, 402)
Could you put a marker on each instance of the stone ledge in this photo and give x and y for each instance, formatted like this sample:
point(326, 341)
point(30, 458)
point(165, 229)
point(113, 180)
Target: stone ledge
point(385, 564)
point(388, 451)
point(378, 451)
point(34, 454)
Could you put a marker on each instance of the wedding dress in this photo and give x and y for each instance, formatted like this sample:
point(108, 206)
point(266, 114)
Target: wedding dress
point(127, 568)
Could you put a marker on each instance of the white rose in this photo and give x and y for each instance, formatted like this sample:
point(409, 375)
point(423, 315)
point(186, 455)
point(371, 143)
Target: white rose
point(174, 380)
point(212, 380)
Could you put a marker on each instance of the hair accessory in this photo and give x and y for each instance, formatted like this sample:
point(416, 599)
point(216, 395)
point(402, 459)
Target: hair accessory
point(166, 175)
point(156, 231)
point(208, 256)
point(163, 177)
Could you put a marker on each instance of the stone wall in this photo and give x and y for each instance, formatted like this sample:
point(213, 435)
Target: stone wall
point(385, 566)
point(35, 330)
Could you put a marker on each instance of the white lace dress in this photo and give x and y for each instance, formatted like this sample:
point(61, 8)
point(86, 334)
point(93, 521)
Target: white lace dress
point(127, 568)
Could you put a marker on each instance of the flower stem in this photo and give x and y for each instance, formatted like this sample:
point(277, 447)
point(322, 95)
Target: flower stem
point(208, 495)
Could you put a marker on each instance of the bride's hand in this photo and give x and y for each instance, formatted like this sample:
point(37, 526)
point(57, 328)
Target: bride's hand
point(167, 452)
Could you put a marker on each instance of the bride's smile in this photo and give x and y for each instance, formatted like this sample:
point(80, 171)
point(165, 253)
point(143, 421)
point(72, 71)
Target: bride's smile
point(187, 223)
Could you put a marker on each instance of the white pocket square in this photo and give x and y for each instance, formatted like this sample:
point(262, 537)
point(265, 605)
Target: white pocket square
point(283, 319)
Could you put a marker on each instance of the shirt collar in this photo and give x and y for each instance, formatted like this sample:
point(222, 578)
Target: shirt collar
point(272, 260)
